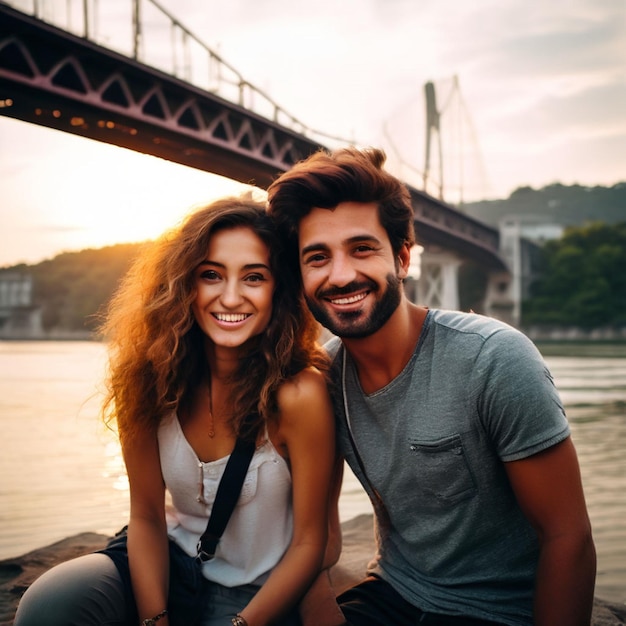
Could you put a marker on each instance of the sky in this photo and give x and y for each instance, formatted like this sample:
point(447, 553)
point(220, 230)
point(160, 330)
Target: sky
point(531, 92)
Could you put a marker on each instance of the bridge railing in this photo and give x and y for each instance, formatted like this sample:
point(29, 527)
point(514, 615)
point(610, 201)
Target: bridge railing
point(147, 32)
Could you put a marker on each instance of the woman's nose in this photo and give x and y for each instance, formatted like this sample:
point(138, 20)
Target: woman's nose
point(231, 295)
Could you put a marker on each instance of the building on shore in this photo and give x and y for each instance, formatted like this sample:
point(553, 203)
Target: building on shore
point(19, 317)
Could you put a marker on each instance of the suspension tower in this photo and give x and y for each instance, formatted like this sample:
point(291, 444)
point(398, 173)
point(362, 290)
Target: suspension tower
point(433, 119)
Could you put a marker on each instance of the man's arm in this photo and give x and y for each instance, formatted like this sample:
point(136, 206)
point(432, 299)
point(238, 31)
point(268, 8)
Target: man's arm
point(549, 490)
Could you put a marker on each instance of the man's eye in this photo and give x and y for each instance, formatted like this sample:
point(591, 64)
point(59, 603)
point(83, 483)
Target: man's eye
point(363, 248)
point(315, 258)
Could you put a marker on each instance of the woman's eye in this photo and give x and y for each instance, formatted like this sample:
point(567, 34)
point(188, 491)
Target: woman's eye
point(255, 278)
point(210, 275)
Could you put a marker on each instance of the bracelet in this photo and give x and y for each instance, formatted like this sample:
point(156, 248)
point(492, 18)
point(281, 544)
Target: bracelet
point(151, 621)
point(238, 621)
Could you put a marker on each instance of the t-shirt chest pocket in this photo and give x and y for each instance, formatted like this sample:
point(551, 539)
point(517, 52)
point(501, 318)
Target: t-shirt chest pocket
point(441, 472)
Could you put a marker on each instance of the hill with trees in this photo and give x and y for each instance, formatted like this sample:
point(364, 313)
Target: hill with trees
point(74, 287)
point(572, 205)
point(583, 274)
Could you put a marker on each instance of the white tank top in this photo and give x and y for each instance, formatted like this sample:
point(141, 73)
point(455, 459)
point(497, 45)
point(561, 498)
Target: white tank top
point(261, 526)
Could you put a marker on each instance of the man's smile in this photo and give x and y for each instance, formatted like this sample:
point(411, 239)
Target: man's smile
point(349, 299)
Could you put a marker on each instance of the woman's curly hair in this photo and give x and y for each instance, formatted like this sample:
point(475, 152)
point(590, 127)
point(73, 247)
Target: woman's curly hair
point(156, 348)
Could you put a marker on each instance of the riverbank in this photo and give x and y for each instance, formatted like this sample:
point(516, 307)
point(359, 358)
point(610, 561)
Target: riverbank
point(574, 334)
point(18, 573)
point(52, 335)
point(540, 334)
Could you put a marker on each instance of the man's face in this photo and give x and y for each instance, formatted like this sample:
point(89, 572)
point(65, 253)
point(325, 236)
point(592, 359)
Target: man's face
point(352, 283)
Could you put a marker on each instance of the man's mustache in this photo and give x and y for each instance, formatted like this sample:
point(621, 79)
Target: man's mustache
point(337, 292)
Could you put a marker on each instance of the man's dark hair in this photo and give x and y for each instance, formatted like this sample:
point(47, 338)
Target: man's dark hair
point(326, 179)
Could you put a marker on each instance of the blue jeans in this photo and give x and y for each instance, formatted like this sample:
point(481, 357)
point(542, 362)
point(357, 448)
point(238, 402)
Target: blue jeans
point(188, 587)
point(95, 590)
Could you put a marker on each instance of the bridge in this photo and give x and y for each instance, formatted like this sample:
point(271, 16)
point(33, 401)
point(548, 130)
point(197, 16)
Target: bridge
point(66, 81)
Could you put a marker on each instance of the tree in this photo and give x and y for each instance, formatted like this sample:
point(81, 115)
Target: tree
point(583, 279)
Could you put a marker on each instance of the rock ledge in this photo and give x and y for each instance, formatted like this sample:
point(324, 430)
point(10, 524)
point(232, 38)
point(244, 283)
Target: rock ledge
point(18, 573)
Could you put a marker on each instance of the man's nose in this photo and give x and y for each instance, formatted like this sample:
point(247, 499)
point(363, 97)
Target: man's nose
point(342, 271)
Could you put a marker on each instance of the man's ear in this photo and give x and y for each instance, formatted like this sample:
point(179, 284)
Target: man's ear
point(404, 259)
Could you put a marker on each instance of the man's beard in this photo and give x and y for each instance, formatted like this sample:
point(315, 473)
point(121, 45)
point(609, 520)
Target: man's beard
point(353, 324)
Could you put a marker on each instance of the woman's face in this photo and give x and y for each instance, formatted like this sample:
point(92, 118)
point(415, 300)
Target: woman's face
point(234, 288)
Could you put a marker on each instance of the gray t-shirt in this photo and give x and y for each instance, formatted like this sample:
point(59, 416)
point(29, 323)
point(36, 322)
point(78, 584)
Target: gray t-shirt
point(450, 535)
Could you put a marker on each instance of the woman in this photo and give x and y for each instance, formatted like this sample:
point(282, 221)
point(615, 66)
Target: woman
point(209, 341)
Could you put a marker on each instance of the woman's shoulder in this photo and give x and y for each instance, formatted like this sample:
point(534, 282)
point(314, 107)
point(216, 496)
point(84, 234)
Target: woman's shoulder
point(303, 392)
point(307, 381)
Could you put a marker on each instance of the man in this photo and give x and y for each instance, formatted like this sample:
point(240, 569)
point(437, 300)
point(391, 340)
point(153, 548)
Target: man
point(450, 421)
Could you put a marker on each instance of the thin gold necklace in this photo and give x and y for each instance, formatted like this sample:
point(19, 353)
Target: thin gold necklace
point(211, 417)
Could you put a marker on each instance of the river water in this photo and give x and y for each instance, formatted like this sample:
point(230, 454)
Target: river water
point(61, 472)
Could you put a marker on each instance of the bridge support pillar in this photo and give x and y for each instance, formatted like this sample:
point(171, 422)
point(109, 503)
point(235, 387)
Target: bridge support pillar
point(499, 302)
point(438, 284)
point(504, 290)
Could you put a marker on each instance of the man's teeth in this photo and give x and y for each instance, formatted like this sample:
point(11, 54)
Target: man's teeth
point(231, 317)
point(349, 299)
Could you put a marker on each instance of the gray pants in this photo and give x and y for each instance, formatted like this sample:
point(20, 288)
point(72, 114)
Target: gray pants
point(88, 591)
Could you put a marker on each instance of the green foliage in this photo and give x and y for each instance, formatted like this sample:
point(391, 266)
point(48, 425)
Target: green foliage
point(73, 288)
point(583, 279)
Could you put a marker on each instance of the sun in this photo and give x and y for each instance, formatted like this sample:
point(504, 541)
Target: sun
point(65, 193)
point(119, 196)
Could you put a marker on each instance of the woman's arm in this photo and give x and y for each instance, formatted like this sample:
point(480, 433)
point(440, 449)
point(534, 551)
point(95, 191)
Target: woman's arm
point(148, 554)
point(308, 432)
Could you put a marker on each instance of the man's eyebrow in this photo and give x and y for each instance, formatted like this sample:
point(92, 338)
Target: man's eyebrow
point(313, 247)
point(359, 238)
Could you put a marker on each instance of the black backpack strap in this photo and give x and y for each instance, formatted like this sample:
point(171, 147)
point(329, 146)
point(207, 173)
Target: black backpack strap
point(226, 497)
